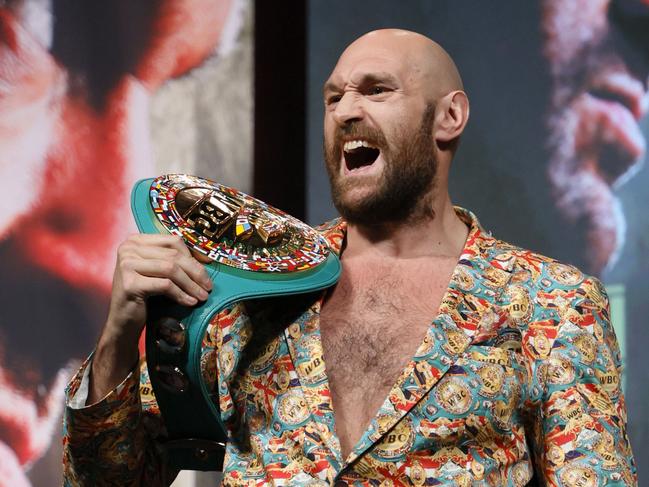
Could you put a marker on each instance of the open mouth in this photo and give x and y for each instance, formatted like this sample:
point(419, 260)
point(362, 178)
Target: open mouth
point(359, 153)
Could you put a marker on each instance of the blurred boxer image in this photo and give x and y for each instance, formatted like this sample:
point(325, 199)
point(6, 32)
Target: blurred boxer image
point(76, 80)
point(598, 53)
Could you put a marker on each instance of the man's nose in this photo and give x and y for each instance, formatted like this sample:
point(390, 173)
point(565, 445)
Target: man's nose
point(348, 109)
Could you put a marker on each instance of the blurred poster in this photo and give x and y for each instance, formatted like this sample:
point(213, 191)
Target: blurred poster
point(93, 96)
point(554, 155)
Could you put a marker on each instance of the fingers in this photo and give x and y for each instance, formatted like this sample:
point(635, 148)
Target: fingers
point(153, 286)
point(161, 264)
point(183, 259)
point(181, 279)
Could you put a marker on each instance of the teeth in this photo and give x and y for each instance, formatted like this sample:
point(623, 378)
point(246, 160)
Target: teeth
point(355, 144)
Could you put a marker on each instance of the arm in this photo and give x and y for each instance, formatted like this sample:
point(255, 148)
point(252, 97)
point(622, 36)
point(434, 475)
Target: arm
point(110, 434)
point(580, 425)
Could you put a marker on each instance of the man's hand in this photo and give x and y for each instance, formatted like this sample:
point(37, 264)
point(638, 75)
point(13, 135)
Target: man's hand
point(147, 265)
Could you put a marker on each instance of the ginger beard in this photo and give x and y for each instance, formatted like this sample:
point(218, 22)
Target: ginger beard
point(404, 187)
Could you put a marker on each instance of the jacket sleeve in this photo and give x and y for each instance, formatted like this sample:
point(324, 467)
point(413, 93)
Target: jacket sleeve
point(580, 426)
point(113, 442)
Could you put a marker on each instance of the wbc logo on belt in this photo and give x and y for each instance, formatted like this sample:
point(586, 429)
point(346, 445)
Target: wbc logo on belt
point(233, 228)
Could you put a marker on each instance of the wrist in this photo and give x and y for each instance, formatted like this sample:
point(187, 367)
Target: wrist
point(120, 333)
point(111, 364)
point(118, 349)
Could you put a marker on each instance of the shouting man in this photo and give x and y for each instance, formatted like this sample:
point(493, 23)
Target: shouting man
point(446, 356)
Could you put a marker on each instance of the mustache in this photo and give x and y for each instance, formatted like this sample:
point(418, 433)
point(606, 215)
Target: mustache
point(358, 130)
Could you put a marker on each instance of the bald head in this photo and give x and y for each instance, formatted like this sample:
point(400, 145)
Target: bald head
point(425, 61)
point(396, 84)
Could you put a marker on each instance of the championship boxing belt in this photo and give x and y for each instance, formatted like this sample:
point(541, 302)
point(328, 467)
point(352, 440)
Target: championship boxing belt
point(255, 251)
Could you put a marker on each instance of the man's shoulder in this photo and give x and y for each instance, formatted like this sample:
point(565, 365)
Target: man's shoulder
point(544, 273)
point(554, 304)
point(500, 248)
point(526, 266)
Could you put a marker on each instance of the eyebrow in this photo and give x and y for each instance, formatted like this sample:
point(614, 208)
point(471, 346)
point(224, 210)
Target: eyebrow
point(330, 86)
point(366, 79)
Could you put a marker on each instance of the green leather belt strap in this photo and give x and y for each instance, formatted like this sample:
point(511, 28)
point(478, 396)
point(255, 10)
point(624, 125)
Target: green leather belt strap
point(189, 408)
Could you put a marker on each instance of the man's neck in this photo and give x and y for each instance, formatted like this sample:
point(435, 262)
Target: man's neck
point(442, 234)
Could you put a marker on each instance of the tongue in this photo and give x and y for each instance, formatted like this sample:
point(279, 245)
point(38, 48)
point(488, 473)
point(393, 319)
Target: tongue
point(362, 156)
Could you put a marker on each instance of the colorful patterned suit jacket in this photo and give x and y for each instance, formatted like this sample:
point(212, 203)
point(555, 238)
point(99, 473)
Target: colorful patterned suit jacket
point(519, 374)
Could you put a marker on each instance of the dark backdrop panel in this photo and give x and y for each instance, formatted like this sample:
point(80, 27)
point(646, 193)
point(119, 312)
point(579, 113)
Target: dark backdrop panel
point(280, 98)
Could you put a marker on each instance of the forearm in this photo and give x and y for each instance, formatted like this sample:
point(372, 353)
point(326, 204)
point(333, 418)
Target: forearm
point(114, 358)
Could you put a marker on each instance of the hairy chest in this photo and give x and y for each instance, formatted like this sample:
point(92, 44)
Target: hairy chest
point(370, 333)
point(371, 325)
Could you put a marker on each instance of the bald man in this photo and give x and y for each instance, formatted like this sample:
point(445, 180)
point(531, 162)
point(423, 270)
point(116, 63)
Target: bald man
point(442, 356)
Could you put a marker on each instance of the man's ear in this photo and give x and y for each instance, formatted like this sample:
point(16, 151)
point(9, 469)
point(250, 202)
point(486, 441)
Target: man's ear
point(451, 116)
